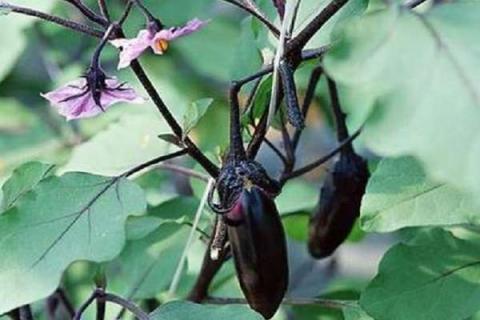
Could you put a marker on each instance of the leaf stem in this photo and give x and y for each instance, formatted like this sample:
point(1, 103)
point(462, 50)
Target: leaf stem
point(327, 303)
point(192, 149)
point(25, 313)
point(322, 160)
point(297, 43)
point(53, 19)
point(154, 162)
point(257, 14)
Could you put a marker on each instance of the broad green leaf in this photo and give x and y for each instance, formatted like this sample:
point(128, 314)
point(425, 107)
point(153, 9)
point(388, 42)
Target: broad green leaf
point(139, 227)
point(123, 145)
point(399, 194)
point(433, 277)
point(201, 53)
point(63, 219)
point(195, 111)
point(180, 310)
point(422, 92)
point(23, 179)
point(297, 196)
point(146, 266)
point(248, 58)
point(311, 8)
point(354, 312)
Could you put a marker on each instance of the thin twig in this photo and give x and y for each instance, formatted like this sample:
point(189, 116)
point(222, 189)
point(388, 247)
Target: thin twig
point(327, 303)
point(53, 19)
point(276, 151)
point(209, 269)
point(322, 160)
point(104, 9)
point(184, 171)
point(188, 244)
point(67, 304)
point(133, 308)
point(89, 14)
point(193, 150)
point(154, 162)
point(297, 43)
point(257, 14)
point(25, 313)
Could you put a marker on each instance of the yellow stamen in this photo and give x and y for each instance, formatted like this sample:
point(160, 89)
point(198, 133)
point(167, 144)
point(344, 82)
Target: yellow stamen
point(161, 45)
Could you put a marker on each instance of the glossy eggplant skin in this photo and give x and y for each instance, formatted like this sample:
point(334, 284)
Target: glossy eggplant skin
point(339, 205)
point(259, 251)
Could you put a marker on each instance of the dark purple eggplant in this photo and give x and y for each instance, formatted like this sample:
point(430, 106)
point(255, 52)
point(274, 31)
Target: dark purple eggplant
point(259, 250)
point(339, 205)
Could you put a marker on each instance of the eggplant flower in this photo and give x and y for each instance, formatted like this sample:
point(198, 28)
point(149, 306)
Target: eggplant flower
point(153, 37)
point(90, 95)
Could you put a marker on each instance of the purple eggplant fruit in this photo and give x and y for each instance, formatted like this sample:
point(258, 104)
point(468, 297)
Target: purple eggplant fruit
point(255, 233)
point(259, 250)
point(339, 205)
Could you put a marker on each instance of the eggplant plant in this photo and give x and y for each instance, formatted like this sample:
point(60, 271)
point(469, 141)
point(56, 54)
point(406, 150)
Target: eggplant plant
point(133, 183)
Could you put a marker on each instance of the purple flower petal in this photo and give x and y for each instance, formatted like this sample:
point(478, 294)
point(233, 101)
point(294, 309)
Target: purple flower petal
point(75, 101)
point(162, 37)
point(132, 48)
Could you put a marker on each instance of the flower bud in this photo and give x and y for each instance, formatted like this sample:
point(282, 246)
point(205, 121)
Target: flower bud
point(259, 250)
point(339, 205)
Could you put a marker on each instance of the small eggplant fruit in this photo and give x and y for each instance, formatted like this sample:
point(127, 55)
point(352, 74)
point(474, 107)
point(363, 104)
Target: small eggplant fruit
point(339, 205)
point(257, 240)
point(255, 233)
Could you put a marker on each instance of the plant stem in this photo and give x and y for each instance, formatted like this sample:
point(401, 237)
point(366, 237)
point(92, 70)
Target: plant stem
point(89, 14)
point(297, 43)
point(25, 313)
point(67, 304)
point(104, 9)
point(188, 244)
point(257, 14)
point(339, 116)
point(237, 151)
point(184, 171)
point(154, 162)
point(193, 150)
point(208, 271)
point(133, 308)
point(53, 19)
point(99, 294)
point(320, 161)
point(332, 304)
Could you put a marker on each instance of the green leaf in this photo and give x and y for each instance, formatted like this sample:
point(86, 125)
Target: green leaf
point(180, 310)
point(310, 8)
point(297, 196)
point(63, 219)
point(248, 58)
point(354, 312)
point(13, 33)
point(204, 56)
point(23, 179)
point(146, 266)
point(423, 91)
point(123, 145)
point(399, 194)
point(139, 227)
point(195, 111)
point(433, 277)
